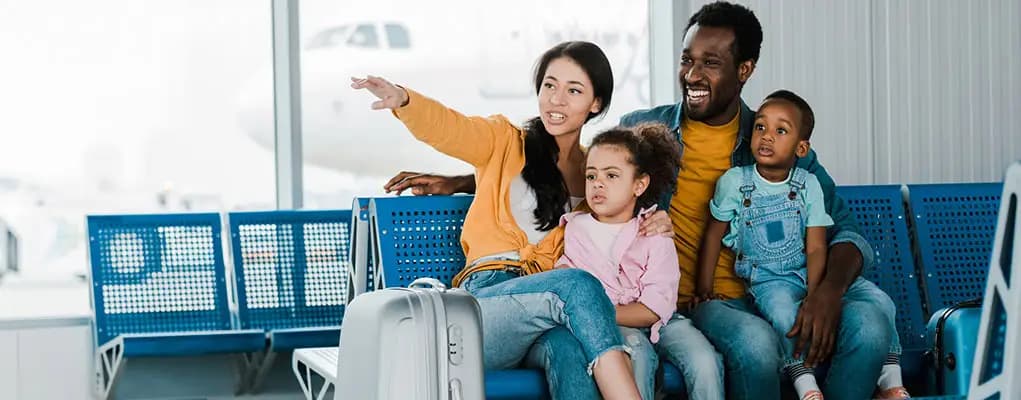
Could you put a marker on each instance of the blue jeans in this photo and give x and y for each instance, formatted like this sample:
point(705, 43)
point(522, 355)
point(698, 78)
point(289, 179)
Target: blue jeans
point(644, 361)
point(560, 355)
point(517, 310)
point(752, 352)
point(685, 347)
point(779, 300)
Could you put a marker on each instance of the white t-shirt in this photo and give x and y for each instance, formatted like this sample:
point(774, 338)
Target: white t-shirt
point(603, 235)
point(522, 206)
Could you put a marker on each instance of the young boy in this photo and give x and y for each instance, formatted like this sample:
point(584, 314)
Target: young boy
point(773, 216)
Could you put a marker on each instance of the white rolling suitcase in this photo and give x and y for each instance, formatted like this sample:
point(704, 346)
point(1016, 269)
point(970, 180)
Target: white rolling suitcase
point(423, 342)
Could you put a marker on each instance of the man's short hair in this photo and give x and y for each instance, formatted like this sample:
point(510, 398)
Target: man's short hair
point(807, 115)
point(747, 30)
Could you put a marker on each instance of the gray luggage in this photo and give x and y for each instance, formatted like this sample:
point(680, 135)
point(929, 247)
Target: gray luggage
point(423, 342)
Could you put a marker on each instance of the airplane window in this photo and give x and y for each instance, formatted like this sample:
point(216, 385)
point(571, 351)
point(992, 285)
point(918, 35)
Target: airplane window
point(328, 38)
point(364, 36)
point(397, 36)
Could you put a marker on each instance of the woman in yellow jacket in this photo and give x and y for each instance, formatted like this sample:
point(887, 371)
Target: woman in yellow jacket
point(526, 179)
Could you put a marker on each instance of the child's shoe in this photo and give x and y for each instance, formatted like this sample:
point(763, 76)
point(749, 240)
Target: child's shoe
point(896, 393)
point(812, 395)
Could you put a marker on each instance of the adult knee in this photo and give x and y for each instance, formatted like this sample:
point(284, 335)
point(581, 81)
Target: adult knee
point(886, 304)
point(754, 349)
point(863, 330)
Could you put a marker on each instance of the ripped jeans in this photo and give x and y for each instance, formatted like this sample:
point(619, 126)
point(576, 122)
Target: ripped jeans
point(644, 360)
point(517, 310)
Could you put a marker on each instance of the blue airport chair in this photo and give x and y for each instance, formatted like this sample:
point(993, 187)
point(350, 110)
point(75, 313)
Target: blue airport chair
point(291, 278)
point(291, 273)
point(954, 225)
point(417, 237)
point(159, 288)
point(879, 211)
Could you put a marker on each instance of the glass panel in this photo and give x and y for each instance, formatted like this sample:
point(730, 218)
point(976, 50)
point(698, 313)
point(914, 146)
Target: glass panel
point(476, 57)
point(123, 106)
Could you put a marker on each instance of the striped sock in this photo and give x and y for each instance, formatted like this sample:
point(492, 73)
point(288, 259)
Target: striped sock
point(803, 379)
point(890, 375)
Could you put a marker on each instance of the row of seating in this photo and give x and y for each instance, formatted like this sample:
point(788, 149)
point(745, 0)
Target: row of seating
point(932, 248)
point(161, 285)
point(952, 225)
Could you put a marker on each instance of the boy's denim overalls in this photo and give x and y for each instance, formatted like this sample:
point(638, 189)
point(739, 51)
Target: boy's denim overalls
point(770, 252)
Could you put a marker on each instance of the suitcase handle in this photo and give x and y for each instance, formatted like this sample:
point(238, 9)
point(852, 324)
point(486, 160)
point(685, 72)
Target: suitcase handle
point(428, 282)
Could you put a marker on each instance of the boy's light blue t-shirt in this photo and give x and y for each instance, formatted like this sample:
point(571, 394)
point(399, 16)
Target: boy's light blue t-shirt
point(728, 201)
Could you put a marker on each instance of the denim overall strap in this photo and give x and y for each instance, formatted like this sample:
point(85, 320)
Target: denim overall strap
point(747, 184)
point(797, 182)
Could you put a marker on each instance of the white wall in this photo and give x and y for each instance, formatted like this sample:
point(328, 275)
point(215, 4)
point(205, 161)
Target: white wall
point(50, 362)
point(904, 91)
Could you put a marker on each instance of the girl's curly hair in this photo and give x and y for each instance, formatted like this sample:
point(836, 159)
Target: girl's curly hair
point(654, 152)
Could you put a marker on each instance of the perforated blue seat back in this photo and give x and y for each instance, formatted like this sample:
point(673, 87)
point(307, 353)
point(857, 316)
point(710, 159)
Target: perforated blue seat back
point(418, 237)
point(157, 273)
point(290, 267)
point(955, 226)
point(879, 211)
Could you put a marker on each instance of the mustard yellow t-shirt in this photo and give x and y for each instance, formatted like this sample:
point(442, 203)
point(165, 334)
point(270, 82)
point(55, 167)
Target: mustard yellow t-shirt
point(705, 157)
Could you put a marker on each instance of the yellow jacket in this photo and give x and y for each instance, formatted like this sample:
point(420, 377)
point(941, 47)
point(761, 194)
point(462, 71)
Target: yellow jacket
point(496, 148)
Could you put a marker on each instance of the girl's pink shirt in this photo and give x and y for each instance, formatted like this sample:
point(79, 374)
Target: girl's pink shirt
point(642, 268)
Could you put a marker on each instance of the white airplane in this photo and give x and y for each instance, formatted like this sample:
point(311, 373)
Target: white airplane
point(479, 66)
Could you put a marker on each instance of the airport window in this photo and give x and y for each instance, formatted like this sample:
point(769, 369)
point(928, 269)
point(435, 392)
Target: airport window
point(397, 36)
point(476, 58)
point(120, 106)
point(364, 36)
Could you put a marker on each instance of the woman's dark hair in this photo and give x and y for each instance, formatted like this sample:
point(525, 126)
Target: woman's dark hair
point(654, 152)
point(541, 150)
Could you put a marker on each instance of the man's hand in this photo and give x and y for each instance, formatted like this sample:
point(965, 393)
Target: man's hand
point(816, 325)
point(424, 184)
point(657, 223)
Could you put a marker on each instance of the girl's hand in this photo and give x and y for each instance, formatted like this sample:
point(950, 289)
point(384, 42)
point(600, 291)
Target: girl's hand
point(390, 96)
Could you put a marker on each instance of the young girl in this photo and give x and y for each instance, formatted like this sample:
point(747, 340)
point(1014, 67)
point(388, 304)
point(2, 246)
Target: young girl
point(772, 215)
point(626, 172)
point(526, 178)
